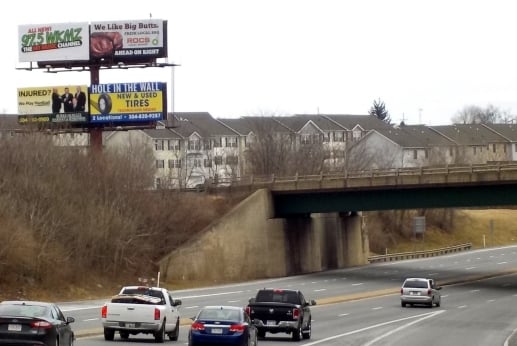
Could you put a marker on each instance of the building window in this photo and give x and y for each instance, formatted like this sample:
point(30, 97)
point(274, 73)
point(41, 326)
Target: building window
point(160, 163)
point(218, 160)
point(232, 160)
point(158, 144)
point(493, 148)
point(339, 137)
point(356, 135)
point(208, 163)
point(231, 142)
point(194, 144)
point(306, 139)
point(450, 151)
point(174, 144)
point(474, 148)
point(217, 142)
point(207, 144)
point(415, 154)
point(515, 146)
point(426, 152)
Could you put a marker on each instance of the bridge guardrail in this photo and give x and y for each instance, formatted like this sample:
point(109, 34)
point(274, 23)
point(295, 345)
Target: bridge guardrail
point(376, 177)
point(419, 254)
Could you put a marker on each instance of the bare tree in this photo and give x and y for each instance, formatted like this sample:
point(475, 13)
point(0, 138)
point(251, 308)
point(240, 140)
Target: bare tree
point(473, 114)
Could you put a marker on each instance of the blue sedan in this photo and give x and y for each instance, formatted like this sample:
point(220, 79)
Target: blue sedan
point(222, 325)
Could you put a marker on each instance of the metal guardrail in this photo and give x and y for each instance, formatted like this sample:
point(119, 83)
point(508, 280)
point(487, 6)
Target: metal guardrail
point(419, 254)
point(376, 177)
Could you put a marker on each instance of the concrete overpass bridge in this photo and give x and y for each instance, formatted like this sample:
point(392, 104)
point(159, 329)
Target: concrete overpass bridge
point(301, 224)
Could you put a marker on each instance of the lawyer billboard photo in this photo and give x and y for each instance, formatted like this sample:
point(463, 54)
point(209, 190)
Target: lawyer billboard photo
point(63, 103)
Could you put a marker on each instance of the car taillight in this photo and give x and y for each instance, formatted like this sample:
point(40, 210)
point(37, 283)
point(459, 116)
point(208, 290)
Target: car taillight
point(104, 311)
point(197, 326)
point(248, 310)
point(41, 324)
point(156, 314)
point(296, 314)
point(401, 291)
point(237, 328)
point(429, 292)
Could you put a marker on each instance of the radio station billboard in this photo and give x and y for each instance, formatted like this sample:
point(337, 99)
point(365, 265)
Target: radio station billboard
point(55, 104)
point(128, 102)
point(48, 42)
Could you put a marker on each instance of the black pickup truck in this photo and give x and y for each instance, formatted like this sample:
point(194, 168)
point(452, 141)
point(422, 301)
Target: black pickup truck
point(281, 311)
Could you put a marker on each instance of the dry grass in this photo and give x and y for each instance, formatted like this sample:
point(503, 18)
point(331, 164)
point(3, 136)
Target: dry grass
point(470, 226)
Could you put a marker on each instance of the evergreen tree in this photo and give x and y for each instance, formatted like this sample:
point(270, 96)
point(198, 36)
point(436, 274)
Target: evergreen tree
point(379, 110)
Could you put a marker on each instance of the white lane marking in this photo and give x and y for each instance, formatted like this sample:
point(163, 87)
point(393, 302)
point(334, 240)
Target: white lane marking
point(423, 316)
point(474, 291)
point(470, 268)
point(210, 295)
point(358, 284)
point(320, 290)
point(377, 308)
point(502, 263)
point(462, 306)
point(191, 307)
point(345, 314)
point(90, 319)
point(380, 337)
point(233, 301)
point(490, 301)
point(77, 309)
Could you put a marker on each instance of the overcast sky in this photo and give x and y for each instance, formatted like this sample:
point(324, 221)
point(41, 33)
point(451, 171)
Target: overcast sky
point(425, 60)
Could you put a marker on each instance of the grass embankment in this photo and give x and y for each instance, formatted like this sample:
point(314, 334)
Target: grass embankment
point(470, 226)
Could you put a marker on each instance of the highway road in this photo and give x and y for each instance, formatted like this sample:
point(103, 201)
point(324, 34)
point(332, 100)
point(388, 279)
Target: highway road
point(479, 297)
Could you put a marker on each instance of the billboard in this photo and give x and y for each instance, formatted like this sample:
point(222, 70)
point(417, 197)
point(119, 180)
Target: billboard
point(81, 44)
point(55, 104)
point(48, 42)
point(127, 102)
point(126, 41)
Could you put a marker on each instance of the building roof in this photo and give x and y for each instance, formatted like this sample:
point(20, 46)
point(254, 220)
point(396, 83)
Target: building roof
point(298, 121)
point(161, 134)
point(469, 134)
point(367, 122)
point(202, 123)
point(427, 136)
point(508, 131)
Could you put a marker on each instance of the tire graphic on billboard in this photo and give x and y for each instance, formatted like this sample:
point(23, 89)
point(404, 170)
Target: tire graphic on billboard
point(104, 104)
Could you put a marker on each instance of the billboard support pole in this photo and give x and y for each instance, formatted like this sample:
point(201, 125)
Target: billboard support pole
point(95, 132)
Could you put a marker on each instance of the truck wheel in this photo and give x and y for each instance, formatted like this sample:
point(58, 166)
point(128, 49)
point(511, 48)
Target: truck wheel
point(124, 335)
point(176, 333)
point(159, 336)
point(109, 334)
point(307, 332)
point(297, 334)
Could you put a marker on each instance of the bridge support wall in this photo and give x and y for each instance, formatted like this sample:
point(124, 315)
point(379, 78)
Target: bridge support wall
point(246, 243)
point(354, 240)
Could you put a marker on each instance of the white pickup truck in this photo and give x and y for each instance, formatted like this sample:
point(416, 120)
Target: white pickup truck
point(141, 309)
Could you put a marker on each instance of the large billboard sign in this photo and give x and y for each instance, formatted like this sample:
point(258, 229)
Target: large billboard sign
point(105, 43)
point(54, 104)
point(139, 40)
point(61, 42)
point(127, 102)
